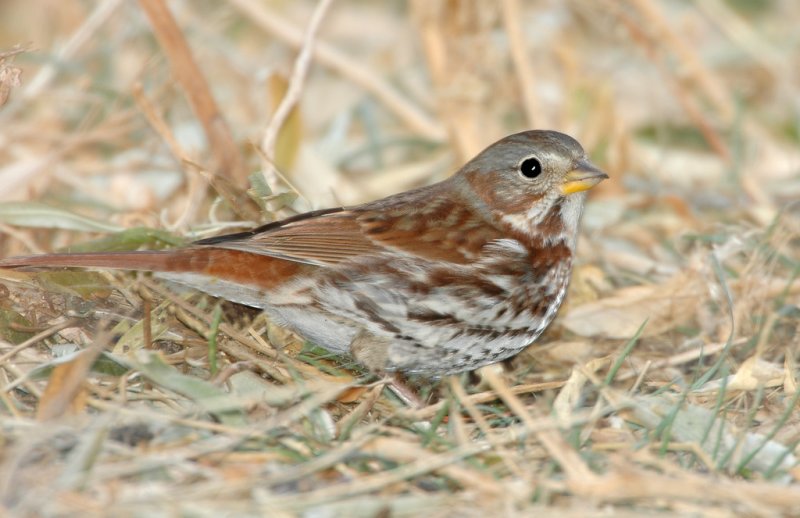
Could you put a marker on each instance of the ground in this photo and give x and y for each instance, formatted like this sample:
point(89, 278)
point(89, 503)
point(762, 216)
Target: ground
point(667, 385)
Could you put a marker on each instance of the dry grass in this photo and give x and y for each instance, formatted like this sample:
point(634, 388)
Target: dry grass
point(667, 386)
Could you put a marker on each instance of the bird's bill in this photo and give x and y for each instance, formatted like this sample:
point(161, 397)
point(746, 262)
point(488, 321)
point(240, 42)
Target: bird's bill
point(582, 178)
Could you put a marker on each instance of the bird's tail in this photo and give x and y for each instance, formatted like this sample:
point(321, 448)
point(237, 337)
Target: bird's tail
point(154, 261)
point(245, 268)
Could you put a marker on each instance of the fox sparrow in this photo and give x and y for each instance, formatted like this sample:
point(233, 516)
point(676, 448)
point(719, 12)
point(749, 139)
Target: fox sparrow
point(437, 280)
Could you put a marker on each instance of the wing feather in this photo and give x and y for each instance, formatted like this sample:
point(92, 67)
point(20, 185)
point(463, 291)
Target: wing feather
point(431, 227)
point(321, 241)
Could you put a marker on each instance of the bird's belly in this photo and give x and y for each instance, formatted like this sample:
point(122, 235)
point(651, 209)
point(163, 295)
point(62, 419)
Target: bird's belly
point(435, 334)
point(463, 346)
point(326, 330)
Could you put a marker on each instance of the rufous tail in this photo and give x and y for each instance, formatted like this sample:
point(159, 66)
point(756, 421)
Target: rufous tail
point(232, 265)
point(155, 261)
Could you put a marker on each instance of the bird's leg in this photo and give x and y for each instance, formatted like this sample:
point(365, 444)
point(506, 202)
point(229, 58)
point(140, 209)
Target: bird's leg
point(373, 352)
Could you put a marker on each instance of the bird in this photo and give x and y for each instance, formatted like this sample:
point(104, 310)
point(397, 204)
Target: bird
point(433, 281)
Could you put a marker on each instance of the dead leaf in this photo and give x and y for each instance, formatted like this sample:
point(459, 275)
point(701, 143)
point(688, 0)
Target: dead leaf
point(753, 373)
point(291, 133)
point(790, 370)
point(351, 395)
point(569, 395)
point(65, 393)
point(619, 316)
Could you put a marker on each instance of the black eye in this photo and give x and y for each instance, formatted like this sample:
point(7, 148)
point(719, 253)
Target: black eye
point(530, 168)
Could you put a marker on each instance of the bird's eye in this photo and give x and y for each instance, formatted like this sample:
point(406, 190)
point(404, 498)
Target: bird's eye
point(530, 168)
